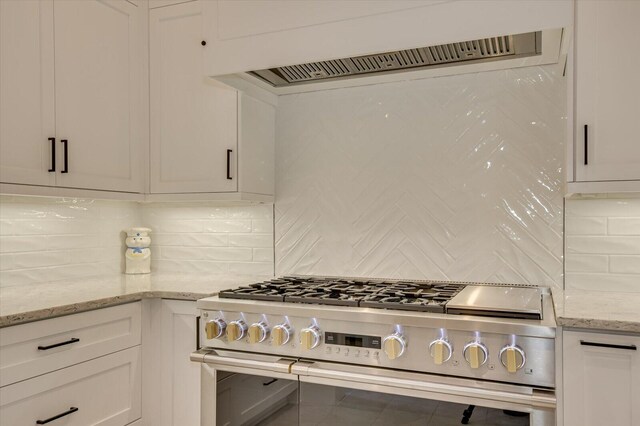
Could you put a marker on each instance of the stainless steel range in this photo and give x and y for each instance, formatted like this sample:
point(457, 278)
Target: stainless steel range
point(490, 346)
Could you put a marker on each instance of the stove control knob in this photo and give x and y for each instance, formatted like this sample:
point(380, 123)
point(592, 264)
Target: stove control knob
point(512, 357)
point(281, 334)
point(440, 350)
point(258, 332)
point(476, 354)
point(394, 345)
point(236, 330)
point(215, 328)
point(310, 337)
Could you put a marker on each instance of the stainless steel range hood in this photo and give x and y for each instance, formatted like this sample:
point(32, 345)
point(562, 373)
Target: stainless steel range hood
point(444, 55)
point(543, 47)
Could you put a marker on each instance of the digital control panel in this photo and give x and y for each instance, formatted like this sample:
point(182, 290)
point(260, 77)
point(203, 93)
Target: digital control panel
point(354, 340)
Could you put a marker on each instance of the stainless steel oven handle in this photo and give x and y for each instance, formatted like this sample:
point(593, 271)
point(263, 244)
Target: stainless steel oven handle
point(380, 380)
point(242, 362)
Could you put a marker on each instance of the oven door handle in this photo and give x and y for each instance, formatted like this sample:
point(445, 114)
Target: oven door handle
point(245, 363)
point(424, 385)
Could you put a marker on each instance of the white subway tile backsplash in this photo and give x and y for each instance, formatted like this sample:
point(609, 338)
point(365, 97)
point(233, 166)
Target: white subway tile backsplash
point(624, 225)
point(46, 239)
point(250, 240)
point(228, 253)
point(603, 244)
point(257, 268)
point(586, 226)
point(597, 260)
point(191, 240)
point(603, 281)
point(586, 263)
point(625, 265)
point(263, 254)
point(603, 207)
point(208, 238)
point(50, 239)
point(262, 225)
point(229, 225)
point(456, 178)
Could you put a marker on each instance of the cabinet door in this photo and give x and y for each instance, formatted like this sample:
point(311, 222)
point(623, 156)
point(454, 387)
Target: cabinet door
point(194, 119)
point(26, 92)
point(97, 93)
point(180, 383)
point(104, 391)
point(601, 376)
point(607, 90)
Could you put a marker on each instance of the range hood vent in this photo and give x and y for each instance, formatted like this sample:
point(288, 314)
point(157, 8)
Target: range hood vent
point(486, 49)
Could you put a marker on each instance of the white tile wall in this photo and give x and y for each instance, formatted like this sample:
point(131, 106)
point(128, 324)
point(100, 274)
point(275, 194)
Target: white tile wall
point(447, 178)
point(603, 244)
point(51, 239)
point(209, 238)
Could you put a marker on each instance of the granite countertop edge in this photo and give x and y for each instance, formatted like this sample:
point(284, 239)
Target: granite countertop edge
point(591, 310)
point(572, 309)
point(20, 305)
point(89, 305)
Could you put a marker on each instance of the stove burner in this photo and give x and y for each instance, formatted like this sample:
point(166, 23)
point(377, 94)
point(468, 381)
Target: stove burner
point(402, 295)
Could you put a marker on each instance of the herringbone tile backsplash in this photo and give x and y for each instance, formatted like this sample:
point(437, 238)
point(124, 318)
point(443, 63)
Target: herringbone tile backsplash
point(456, 178)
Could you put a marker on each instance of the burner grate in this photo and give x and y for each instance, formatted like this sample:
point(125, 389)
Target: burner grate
point(400, 295)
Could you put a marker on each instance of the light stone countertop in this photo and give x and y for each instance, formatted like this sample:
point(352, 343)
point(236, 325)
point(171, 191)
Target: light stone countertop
point(20, 304)
point(598, 310)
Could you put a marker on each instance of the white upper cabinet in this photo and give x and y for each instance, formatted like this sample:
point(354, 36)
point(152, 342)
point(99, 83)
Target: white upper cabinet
point(71, 94)
point(258, 34)
point(98, 94)
point(607, 92)
point(26, 92)
point(193, 119)
point(197, 142)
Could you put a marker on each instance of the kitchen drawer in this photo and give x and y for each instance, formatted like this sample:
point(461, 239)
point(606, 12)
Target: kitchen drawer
point(601, 375)
point(105, 391)
point(29, 350)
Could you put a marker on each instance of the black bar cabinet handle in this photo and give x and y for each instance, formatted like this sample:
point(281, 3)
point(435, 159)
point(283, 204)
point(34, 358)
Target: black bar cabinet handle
point(586, 144)
point(198, 332)
point(229, 151)
point(55, 345)
point(53, 154)
point(50, 419)
point(270, 382)
point(608, 345)
point(66, 156)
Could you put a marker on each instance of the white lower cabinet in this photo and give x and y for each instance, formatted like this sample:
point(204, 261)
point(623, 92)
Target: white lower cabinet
point(180, 378)
point(601, 374)
point(104, 391)
point(36, 348)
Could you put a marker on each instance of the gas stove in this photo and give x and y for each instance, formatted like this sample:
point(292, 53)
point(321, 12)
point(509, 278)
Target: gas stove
point(402, 295)
point(491, 332)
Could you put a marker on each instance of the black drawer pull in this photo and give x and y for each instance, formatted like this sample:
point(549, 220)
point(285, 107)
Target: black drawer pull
point(608, 345)
point(269, 382)
point(229, 151)
point(53, 154)
point(55, 345)
point(65, 155)
point(50, 419)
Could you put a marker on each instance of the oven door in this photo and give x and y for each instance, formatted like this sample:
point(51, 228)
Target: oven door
point(239, 388)
point(334, 393)
point(248, 389)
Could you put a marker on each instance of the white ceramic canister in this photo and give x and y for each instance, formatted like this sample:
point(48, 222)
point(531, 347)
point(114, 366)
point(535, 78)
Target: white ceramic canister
point(138, 254)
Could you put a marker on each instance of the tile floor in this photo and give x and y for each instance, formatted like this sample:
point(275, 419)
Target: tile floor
point(328, 406)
